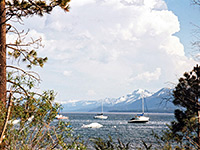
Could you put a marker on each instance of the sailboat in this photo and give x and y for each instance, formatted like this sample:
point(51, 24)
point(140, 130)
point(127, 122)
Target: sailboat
point(101, 116)
point(140, 118)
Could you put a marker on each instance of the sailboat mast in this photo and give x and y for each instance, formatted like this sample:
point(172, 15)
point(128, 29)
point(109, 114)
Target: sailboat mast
point(142, 104)
point(102, 107)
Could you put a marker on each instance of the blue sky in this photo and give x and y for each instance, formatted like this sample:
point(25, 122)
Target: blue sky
point(109, 48)
point(188, 15)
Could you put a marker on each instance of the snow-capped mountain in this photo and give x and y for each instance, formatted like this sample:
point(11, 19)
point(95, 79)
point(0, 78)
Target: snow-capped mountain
point(159, 101)
point(135, 95)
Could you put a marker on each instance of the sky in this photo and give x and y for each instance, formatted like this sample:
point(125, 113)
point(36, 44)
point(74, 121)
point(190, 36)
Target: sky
point(109, 48)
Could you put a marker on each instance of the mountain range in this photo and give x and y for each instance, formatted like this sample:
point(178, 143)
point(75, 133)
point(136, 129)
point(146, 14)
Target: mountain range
point(159, 101)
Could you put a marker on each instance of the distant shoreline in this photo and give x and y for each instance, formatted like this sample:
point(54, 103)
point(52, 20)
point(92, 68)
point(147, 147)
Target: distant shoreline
point(150, 113)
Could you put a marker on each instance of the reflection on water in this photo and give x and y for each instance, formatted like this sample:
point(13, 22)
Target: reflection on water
point(117, 127)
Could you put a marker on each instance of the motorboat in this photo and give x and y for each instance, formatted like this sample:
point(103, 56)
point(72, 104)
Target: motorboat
point(59, 116)
point(17, 121)
point(14, 122)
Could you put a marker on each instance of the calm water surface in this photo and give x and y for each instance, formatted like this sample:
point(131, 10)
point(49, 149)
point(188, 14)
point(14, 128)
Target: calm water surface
point(117, 127)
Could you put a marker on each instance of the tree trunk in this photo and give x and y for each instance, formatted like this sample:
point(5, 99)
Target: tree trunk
point(2, 51)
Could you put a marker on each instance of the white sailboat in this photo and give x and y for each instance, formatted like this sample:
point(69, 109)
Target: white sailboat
point(140, 118)
point(101, 116)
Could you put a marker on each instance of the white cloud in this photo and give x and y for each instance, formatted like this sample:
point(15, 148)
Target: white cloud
point(173, 46)
point(67, 73)
point(148, 76)
point(82, 2)
point(91, 93)
point(30, 36)
point(133, 2)
point(105, 42)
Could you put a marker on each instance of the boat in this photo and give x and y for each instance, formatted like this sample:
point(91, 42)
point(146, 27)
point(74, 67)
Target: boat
point(140, 118)
point(101, 116)
point(92, 125)
point(17, 121)
point(59, 116)
point(14, 122)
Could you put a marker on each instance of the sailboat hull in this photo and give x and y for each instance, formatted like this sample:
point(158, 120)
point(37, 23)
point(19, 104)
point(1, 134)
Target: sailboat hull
point(100, 117)
point(139, 119)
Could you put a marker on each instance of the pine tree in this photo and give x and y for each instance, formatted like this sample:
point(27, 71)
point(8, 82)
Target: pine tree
point(17, 10)
point(184, 132)
point(18, 99)
point(2, 51)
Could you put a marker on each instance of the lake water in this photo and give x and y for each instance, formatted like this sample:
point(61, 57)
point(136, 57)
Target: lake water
point(117, 127)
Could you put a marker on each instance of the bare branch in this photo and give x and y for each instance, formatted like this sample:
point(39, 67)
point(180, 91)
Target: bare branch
point(27, 72)
point(192, 142)
point(7, 117)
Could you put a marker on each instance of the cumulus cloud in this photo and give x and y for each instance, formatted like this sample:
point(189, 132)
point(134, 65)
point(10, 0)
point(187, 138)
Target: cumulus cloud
point(148, 76)
point(30, 36)
point(91, 93)
point(105, 43)
point(67, 73)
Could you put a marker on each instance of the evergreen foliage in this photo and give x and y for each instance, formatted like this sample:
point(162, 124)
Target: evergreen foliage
point(184, 132)
point(26, 116)
point(100, 144)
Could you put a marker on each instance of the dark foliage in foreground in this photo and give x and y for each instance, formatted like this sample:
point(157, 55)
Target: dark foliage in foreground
point(184, 132)
point(100, 144)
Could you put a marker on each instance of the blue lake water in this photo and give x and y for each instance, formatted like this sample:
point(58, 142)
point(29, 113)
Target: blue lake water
point(117, 127)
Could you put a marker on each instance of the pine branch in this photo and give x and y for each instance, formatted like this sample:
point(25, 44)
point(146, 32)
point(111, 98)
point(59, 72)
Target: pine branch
point(17, 84)
point(26, 72)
